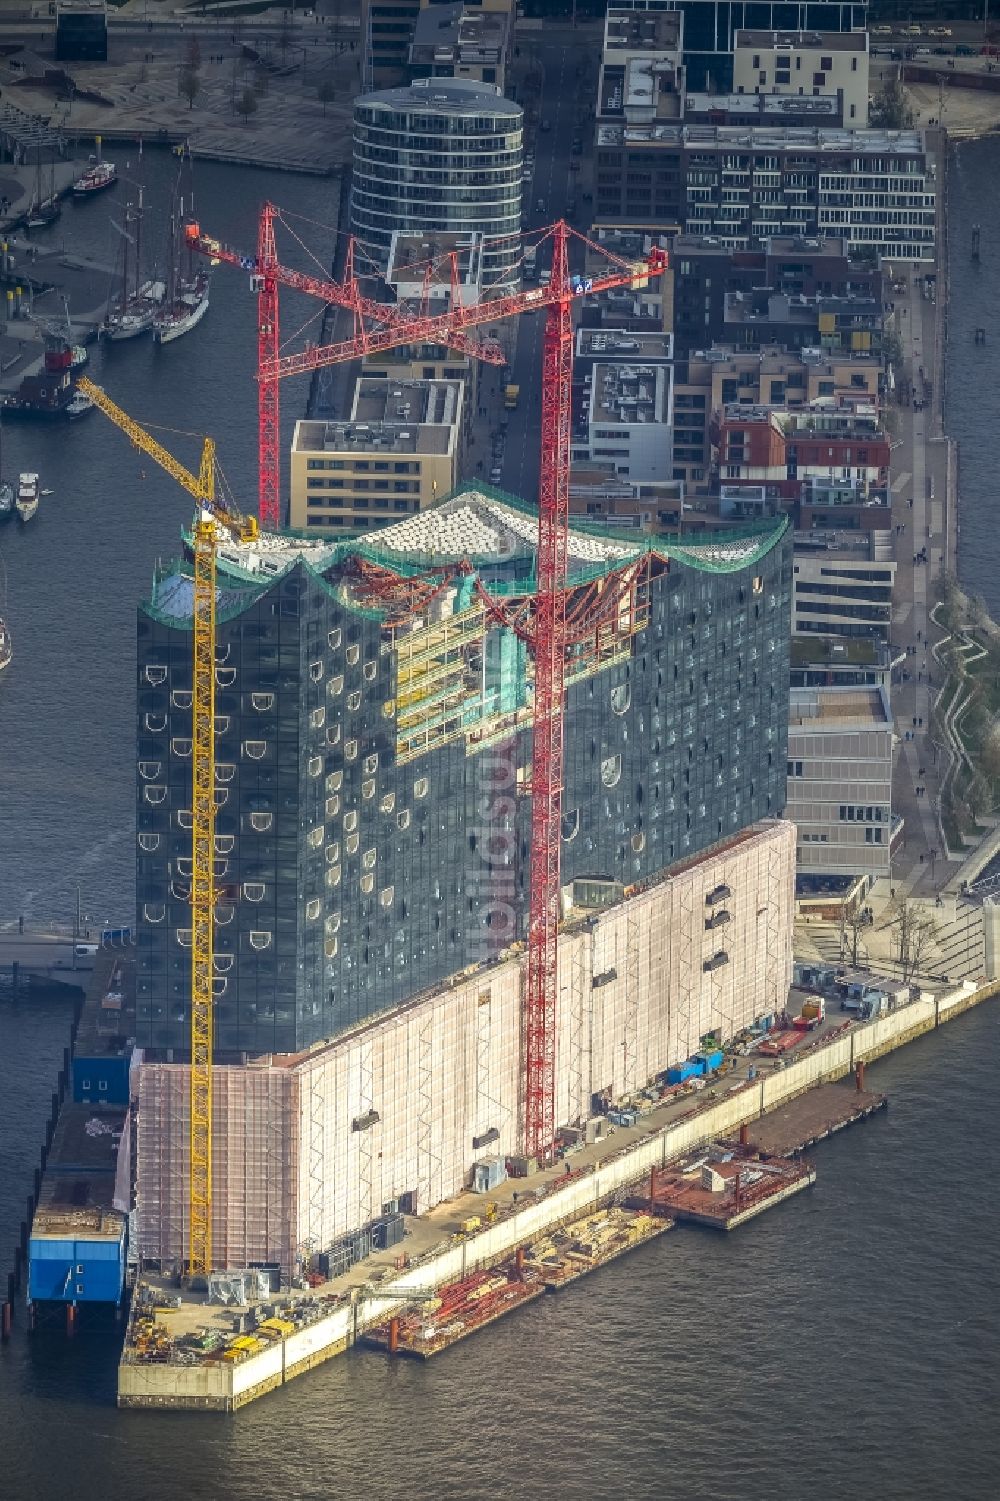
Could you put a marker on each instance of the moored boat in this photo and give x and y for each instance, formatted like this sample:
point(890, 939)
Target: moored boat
point(96, 178)
point(185, 313)
point(79, 406)
point(6, 502)
point(27, 496)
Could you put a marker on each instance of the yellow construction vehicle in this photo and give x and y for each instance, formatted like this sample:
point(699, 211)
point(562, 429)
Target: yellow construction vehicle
point(214, 516)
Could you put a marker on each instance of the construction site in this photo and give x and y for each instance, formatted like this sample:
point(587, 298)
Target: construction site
point(453, 838)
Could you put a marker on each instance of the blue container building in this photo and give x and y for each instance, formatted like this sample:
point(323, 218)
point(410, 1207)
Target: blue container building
point(77, 1246)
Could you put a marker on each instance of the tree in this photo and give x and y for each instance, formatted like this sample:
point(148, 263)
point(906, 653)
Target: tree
point(914, 933)
point(891, 108)
point(192, 54)
point(326, 93)
point(190, 85)
point(852, 925)
point(246, 105)
point(978, 797)
point(989, 753)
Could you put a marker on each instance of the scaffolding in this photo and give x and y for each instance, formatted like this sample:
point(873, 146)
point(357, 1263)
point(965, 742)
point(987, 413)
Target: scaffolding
point(579, 1010)
point(427, 1162)
point(364, 1124)
point(632, 1000)
point(306, 1152)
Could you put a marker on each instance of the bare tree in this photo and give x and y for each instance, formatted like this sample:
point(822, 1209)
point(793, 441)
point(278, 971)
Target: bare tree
point(978, 797)
point(989, 754)
point(246, 105)
point(326, 93)
point(190, 85)
point(192, 54)
point(852, 925)
point(914, 933)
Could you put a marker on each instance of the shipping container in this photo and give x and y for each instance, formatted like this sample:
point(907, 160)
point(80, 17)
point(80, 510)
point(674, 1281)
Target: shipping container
point(680, 1072)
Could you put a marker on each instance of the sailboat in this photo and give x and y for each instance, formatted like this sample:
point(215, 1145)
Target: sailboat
point(135, 307)
point(6, 645)
point(44, 208)
point(186, 302)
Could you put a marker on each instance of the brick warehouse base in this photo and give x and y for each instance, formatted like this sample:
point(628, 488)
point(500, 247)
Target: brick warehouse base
point(308, 1148)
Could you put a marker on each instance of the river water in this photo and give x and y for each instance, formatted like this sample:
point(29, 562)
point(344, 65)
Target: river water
point(843, 1344)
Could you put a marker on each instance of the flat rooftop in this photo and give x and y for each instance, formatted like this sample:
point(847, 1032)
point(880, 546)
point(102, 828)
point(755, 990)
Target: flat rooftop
point(425, 259)
point(389, 416)
point(776, 360)
point(613, 344)
point(851, 651)
point(825, 109)
point(643, 30)
point(630, 394)
point(764, 305)
point(827, 41)
point(107, 1021)
point(78, 1186)
point(808, 138)
point(838, 706)
point(447, 33)
point(466, 98)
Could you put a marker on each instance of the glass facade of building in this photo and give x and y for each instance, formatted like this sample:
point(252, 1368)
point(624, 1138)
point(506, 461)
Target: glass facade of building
point(373, 834)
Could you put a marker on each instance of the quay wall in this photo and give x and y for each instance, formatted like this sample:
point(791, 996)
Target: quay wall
point(225, 1388)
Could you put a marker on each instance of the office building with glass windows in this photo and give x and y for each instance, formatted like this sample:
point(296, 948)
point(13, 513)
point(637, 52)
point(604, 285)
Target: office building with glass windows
point(443, 155)
point(373, 742)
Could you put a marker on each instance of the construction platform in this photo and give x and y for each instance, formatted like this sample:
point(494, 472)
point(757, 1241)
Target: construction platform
point(724, 1187)
point(169, 1369)
point(457, 1310)
point(581, 1247)
point(812, 1117)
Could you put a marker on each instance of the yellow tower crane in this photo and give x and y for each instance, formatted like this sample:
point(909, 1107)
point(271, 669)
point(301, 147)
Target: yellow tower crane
point(213, 516)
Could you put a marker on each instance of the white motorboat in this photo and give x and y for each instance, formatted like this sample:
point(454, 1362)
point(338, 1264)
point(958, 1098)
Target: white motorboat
point(26, 503)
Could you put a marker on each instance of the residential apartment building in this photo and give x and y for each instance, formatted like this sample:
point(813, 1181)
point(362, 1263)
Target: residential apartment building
point(744, 185)
point(389, 29)
point(851, 324)
point(806, 63)
point(822, 440)
point(453, 41)
point(709, 381)
point(705, 274)
point(838, 662)
point(842, 585)
point(840, 742)
point(623, 403)
point(627, 419)
point(641, 77)
point(710, 28)
point(399, 452)
point(441, 155)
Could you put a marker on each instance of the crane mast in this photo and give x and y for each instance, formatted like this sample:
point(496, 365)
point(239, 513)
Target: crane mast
point(213, 516)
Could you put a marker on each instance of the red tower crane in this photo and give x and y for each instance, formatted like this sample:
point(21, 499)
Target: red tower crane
point(266, 275)
point(398, 327)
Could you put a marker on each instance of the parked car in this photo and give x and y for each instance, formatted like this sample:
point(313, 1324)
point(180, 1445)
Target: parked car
point(546, 125)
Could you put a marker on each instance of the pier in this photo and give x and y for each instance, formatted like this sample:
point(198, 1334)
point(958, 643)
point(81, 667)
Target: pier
point(177, 1364)
point(56, 954)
